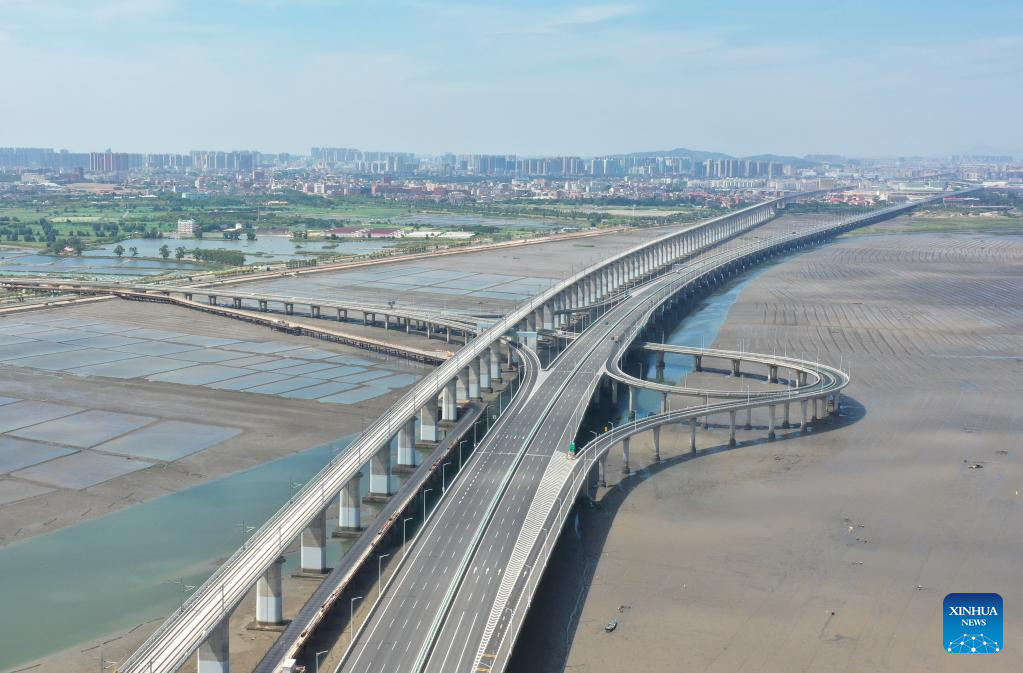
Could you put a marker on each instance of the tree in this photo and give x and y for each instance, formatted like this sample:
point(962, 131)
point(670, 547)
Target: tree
point(165, 251)
point(250, 235)
point(180, 252)
point(119, 250)
point(133, 251)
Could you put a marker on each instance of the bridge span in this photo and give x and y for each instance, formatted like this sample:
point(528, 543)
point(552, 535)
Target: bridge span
point(452, 602)
point(199, 625)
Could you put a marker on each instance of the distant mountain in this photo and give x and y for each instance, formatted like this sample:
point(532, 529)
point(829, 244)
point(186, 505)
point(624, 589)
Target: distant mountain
point(701, 155)
point(695, 155)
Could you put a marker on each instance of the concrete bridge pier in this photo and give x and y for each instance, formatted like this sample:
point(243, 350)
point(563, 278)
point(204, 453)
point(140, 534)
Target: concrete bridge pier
point(449, 406)
point(692, 435)
point(350, 510)
point(602, 469)
point(474, 379)
point(548, 316)
point(428, 422)
point(657, 444)
point(262, 305)
point(770, 421)
point(380, 474)
point(237, 302)
point(632, 401)
point(314, 310)
point(462, 384)
point(802, 425)
point(785, 420)
point(494, 353)
point(735, 368)
point(731, 428)
point(664, 403)
point(698, 363)
point(772, 374)
point(407, 444)
point(749, 418)
point(706, 422)
point(314, 546)
point(270, 596)
point(814, 415)
point(484, 372)
point(289, 308)
point(213, 654)
point(625, 456)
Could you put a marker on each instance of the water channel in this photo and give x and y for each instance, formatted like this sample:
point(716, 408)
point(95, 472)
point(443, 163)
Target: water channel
point(113, 573)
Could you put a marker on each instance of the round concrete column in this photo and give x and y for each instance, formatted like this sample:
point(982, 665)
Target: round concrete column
point(270, 596)
point(407, 443)
point(350, 510)
point(314, 545)
point(380, 472)
point(213, 655)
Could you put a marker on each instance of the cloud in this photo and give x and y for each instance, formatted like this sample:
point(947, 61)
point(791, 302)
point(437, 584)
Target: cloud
point(98, 11)
point(503, 21)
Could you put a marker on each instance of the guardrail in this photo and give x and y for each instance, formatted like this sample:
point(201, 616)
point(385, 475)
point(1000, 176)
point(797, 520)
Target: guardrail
point(830, 380)
point(179, 636)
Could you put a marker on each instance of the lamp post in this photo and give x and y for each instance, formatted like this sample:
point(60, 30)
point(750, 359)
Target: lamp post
point(403, 525)
point(380, 572)
point(444, 477)
point(351, 617)
point(317, 659)
point(425, 491)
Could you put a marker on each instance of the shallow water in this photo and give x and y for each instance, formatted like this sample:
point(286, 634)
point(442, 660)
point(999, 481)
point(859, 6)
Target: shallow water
point(129, 567)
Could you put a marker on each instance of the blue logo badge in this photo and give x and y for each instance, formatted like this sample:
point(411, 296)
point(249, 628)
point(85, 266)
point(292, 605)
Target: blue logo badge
point(973, 623)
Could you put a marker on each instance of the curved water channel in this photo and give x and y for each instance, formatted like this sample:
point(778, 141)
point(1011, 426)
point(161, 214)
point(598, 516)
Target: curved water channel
point(114, 573)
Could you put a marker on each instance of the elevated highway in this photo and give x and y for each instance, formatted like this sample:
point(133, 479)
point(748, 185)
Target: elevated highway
point(451, 605)
point(200, 624)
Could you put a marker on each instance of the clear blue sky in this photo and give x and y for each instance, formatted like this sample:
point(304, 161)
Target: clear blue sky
point(525, 76)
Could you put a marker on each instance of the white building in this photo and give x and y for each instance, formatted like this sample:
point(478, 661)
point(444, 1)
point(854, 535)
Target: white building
point(188, 228)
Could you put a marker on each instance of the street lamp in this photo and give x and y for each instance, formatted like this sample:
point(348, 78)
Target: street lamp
point(444, 477)
point(317, 658)
point(403, 523)
point(351, 617)
point(380, 572)
point(460, 452)
point(425, 491)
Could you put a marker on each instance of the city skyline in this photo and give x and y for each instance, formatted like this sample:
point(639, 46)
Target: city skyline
point(562, 78)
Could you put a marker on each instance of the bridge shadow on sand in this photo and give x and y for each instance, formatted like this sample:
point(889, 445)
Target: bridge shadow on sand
point(553, 619)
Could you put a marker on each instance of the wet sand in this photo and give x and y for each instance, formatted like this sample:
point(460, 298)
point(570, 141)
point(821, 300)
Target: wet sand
point(271, 426)
point(831, 551)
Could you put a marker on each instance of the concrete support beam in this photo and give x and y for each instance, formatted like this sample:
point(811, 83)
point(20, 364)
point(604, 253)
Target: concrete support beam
point(380, 472)
point(602, 468)
point(349, 516)
point(772, 374)
point(802, 425)
point(749, 418)
point(731, 428)
point(692, 435)
point(494, 353)
point(657, 444)
point(484, 371)
point(213, 656)
point(770, 421)
point(735, 368)
point(474, 379)
point(314, 545)
point(449, 406)
point(407, 443)
point(785, 419)
point(428, 422)
point(625, 455)
point(270, 596)
point(462, 384)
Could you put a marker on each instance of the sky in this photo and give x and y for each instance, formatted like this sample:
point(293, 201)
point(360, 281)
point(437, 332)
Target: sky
point(529, 77)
